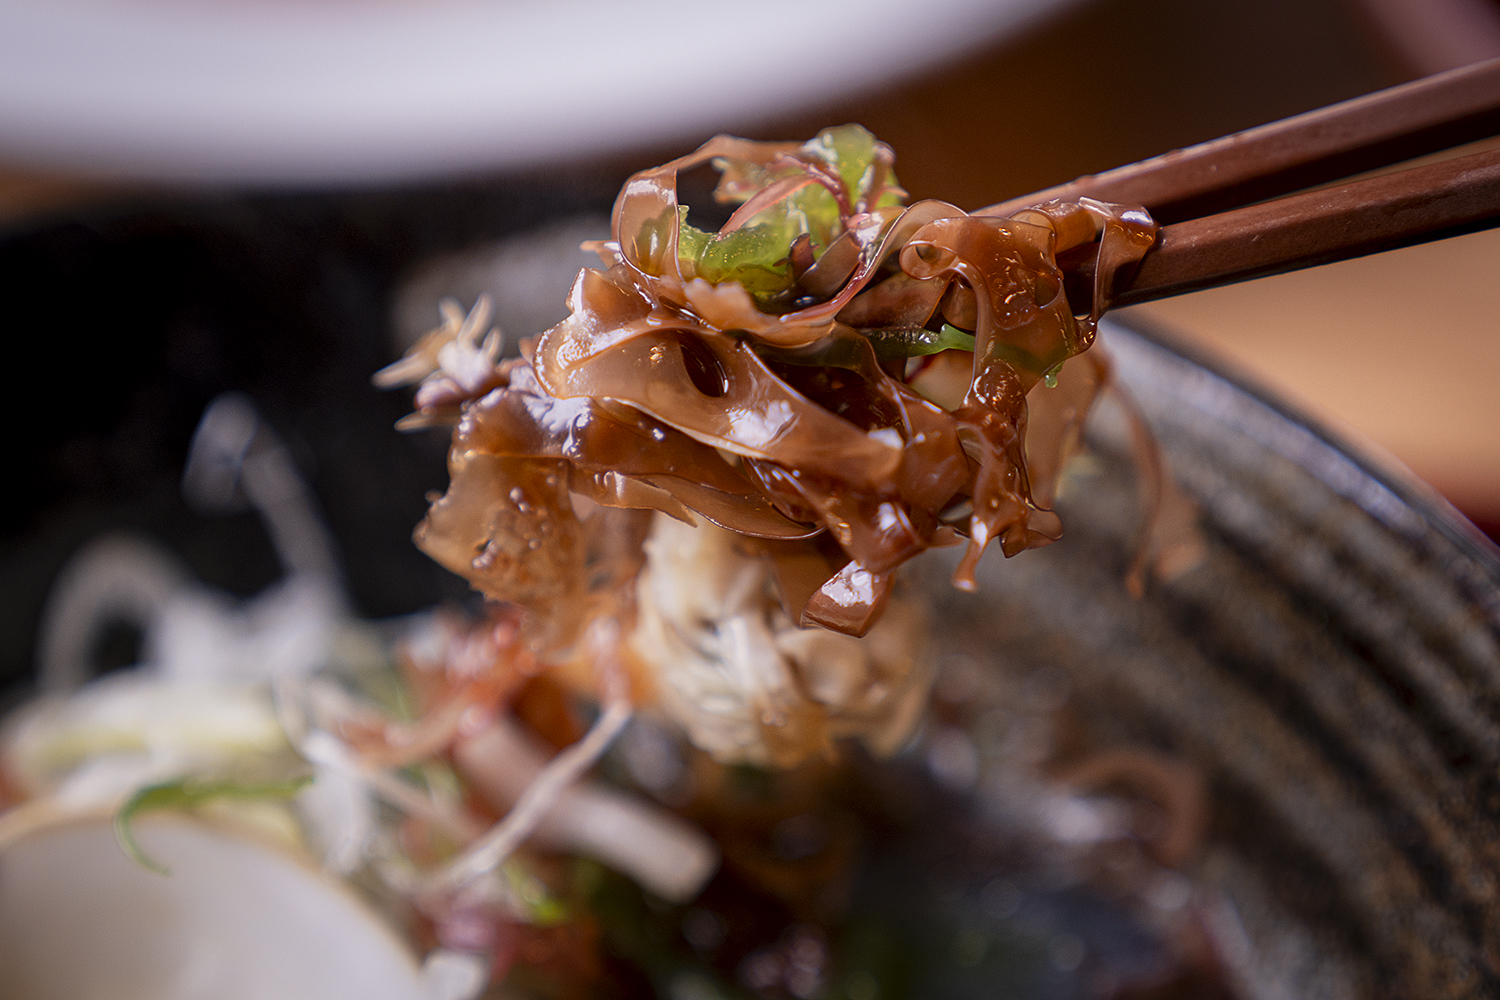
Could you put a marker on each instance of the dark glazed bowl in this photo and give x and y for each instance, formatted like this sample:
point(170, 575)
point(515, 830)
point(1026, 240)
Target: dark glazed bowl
point(1330, 668)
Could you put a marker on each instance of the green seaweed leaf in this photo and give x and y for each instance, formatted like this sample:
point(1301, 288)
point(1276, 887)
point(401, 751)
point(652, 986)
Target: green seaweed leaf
point(913, 342)
point(189, 793)
point(757, 254)
point(852, 151)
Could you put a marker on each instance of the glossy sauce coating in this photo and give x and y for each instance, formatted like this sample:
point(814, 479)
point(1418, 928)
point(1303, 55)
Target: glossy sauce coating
point(778, 378)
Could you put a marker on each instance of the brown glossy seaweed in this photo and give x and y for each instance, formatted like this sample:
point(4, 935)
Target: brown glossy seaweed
point(844, 379)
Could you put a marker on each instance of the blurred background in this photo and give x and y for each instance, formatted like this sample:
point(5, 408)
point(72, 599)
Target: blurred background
point(268, 197)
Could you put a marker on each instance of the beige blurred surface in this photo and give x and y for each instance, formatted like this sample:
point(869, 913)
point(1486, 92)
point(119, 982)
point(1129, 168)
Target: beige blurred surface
point(25, 193)
point(1402, 348)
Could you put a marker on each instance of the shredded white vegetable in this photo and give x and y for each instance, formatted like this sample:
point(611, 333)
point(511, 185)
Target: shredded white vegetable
point(486, 853)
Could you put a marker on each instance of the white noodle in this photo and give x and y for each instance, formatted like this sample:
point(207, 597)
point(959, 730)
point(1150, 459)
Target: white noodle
point(490, 850)
point(502, 839)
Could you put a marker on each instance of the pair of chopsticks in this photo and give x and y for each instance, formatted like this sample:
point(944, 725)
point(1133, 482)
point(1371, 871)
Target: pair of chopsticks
point(1219, 226)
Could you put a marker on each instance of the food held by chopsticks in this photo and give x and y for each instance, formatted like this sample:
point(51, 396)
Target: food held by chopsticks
point(841, 380)
point(837, 375)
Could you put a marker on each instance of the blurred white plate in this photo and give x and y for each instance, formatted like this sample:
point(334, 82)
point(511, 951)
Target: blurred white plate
point(233, 921)
point(283, 91)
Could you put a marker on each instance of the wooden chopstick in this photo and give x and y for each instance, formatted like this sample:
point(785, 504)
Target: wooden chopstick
point(1367, 216)
point(1376, 130)
point(1218, 230)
